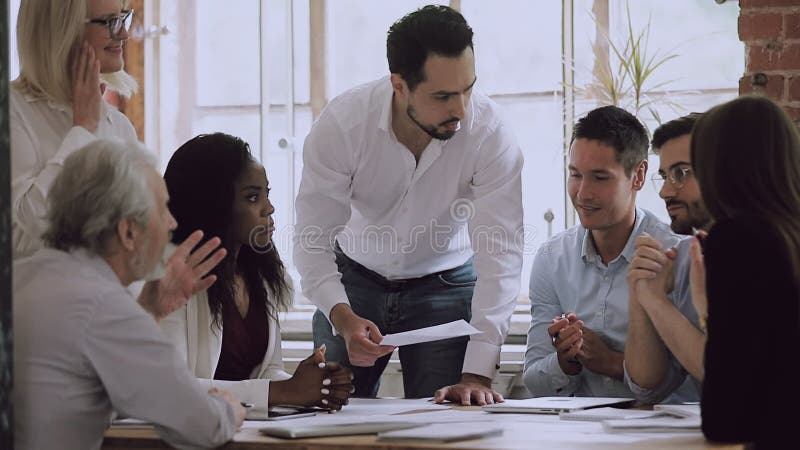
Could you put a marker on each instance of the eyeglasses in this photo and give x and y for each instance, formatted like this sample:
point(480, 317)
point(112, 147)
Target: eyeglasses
point(677, 177)
point(115, 24)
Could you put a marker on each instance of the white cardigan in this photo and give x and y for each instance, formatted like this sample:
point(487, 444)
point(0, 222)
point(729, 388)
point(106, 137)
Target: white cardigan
point(189, 329)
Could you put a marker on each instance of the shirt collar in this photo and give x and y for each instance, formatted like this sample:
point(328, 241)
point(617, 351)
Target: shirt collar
point(96, 262)
point(589, 251)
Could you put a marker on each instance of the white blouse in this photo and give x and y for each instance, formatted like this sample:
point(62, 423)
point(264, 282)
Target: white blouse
point(190, 329)
point(42, 136)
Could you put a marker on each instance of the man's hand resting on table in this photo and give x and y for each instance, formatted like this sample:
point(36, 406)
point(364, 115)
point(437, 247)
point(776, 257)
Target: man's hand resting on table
point(472, 389)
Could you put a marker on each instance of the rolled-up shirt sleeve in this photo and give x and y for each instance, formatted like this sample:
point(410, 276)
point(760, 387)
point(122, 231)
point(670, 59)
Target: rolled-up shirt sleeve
point(673, 378)
point(542, 374)
point(497, 236)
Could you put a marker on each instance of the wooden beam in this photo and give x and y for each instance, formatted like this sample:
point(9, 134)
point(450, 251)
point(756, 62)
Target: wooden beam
point(601, 36)
point(319, 69)
point(133, 55)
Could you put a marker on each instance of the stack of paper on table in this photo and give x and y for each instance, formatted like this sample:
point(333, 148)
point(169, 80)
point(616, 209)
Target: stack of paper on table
point(658, 424)
point(600, 414)
point(686, 410)
point(441, 433)
point(305, 430)
point(131, 423)
point(553, 405)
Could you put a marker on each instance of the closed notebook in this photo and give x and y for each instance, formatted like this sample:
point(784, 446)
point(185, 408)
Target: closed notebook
point(600, 414)
point(306, 430)
point(450, 432)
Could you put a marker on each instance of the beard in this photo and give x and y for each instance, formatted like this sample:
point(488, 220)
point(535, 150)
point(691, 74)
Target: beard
point(145, 270)
point(432, 130)
point(696, 218)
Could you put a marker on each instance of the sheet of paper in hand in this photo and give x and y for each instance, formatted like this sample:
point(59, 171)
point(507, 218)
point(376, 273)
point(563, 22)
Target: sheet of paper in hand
point(434, 333)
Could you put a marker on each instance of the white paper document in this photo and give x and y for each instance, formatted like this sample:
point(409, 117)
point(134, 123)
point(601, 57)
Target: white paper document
point(434, 333)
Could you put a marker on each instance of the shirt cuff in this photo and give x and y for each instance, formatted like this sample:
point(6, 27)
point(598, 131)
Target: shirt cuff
point(557, 379)
point(481, 358)
point(328, 295)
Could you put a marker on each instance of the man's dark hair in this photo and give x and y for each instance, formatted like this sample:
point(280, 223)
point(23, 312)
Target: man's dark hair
point(436, 29)
point(616, 128)
point(673, 129)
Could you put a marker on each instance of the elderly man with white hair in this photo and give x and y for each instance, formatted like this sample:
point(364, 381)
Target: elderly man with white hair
point(83, 347)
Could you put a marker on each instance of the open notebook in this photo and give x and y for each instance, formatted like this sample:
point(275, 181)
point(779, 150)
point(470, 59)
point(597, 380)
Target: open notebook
point(554, 405)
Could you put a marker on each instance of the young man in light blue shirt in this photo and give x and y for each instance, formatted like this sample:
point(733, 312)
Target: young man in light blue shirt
point(578, 290)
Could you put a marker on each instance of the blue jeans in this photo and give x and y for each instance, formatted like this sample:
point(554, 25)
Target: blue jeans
point(404, 305)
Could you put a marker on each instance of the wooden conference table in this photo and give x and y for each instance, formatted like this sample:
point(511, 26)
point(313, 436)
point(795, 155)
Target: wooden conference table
point(520, 431)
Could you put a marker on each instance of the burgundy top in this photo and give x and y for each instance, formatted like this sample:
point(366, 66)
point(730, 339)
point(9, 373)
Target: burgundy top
point(244, 341)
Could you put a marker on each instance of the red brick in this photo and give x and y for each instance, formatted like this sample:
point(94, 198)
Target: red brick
point(794, 88)
point(744, 4)
point(760, 26)
point(794, 113)
point(762, 58)
point(773, 89)
point(792, 25)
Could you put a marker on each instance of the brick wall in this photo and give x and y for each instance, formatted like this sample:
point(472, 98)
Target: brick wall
point(770, 30)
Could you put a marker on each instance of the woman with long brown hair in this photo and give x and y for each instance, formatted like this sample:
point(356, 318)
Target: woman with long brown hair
point(746, 156)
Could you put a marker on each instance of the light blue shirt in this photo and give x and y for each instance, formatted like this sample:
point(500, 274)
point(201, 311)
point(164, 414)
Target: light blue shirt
point(677, 385)
point(568, 275)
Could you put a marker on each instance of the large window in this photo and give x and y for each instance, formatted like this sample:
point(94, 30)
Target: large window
point(263, 69)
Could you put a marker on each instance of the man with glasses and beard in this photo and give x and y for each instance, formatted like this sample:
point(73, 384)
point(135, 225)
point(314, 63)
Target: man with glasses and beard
point(409, 215)
point(665, 341)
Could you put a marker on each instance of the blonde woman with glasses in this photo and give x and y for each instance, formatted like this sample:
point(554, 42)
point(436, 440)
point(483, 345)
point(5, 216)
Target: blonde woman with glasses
point(70, 51)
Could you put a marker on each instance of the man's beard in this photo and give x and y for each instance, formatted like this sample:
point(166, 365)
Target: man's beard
point(696, 218)
point(144, 271)
point(430, 129)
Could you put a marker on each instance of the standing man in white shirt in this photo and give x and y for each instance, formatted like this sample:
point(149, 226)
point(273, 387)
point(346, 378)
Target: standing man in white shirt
point(410, 215)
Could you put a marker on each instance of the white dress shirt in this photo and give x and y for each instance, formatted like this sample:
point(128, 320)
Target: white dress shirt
point(199, 343)
point(42, 136)
point(83, 347)
point(404, 219)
